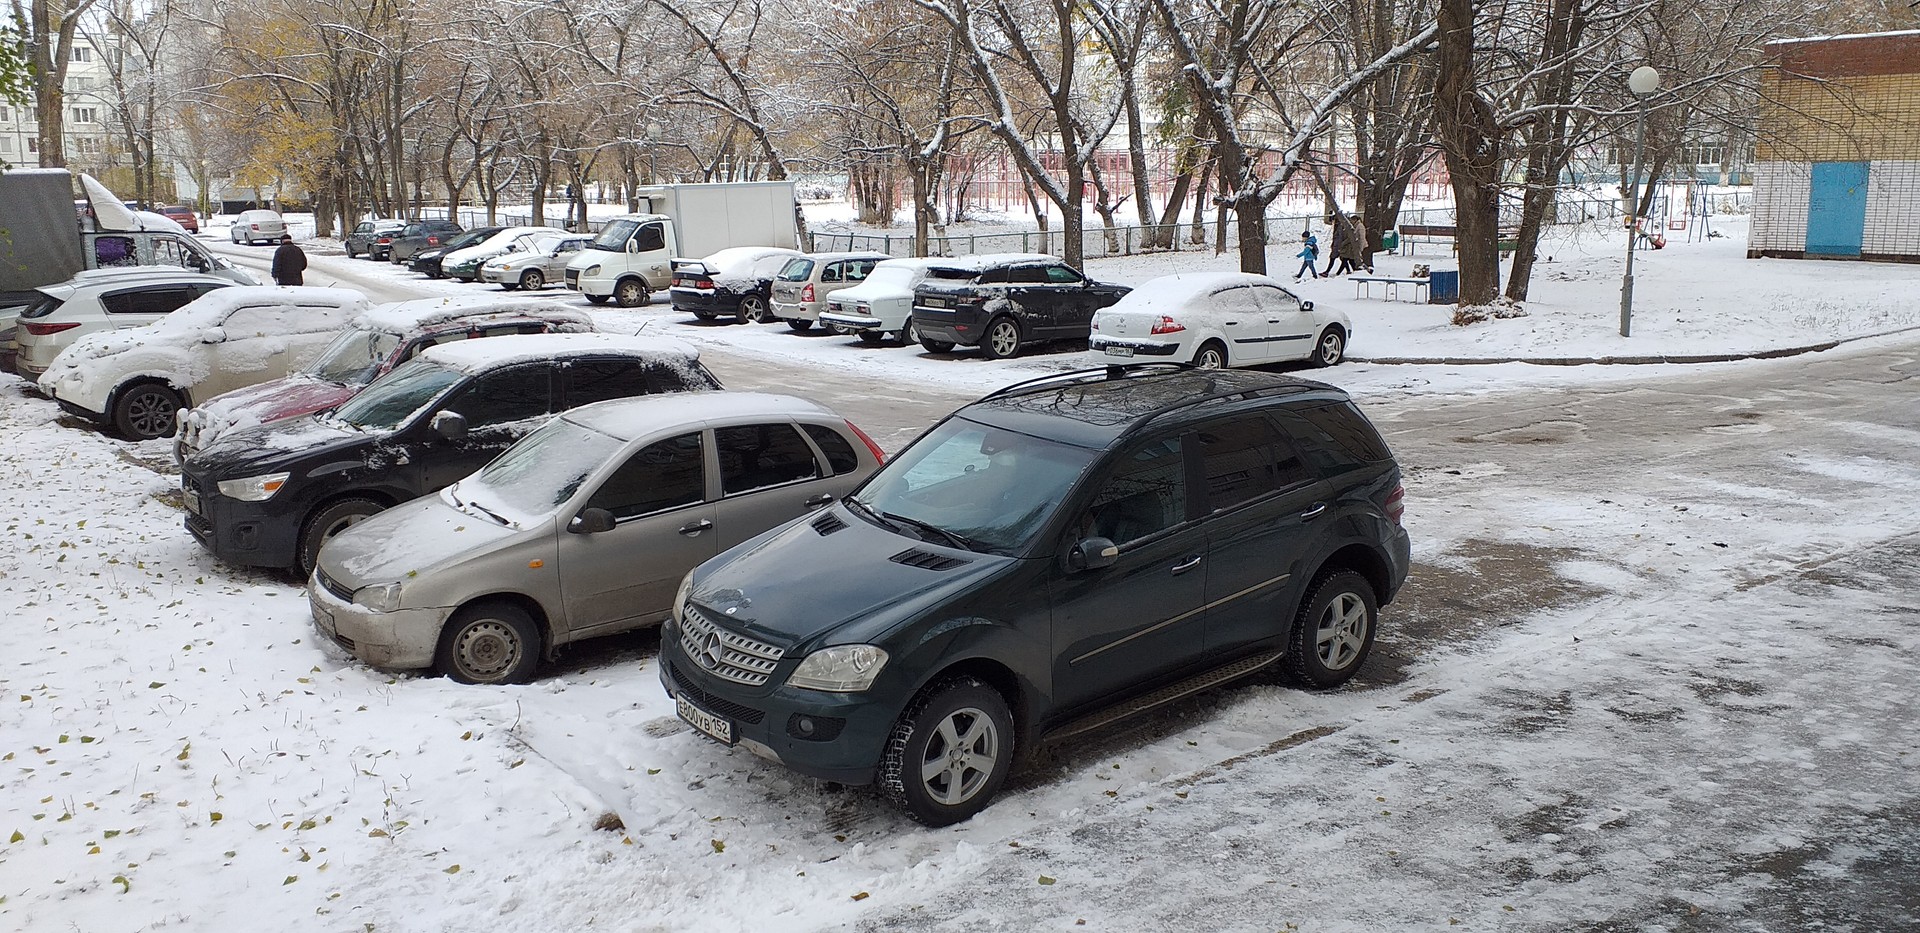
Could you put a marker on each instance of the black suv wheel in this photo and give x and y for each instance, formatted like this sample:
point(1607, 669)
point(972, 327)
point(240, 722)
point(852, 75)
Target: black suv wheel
point(1333, 633)
point(949, 753)
point(1002, 340)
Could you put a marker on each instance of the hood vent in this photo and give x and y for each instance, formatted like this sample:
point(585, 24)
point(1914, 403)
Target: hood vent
point(927, 560)
point(828, 524)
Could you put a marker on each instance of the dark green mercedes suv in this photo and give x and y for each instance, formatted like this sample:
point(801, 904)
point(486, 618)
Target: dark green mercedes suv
point(1058, 555)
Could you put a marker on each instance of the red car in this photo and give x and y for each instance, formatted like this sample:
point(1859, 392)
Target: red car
point(380, 340)
point(182, 215)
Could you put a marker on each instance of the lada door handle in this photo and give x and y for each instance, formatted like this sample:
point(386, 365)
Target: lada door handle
point(1186, 565)
point(693, 528)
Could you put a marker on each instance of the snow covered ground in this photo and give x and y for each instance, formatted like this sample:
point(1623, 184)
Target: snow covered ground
point(1704, 729)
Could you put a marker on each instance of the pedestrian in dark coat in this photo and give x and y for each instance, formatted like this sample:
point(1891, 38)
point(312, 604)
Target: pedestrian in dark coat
point(1337, 250)
point(288, 262)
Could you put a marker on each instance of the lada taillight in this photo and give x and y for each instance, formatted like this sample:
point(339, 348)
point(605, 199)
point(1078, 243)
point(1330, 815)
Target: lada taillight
point(806, 294)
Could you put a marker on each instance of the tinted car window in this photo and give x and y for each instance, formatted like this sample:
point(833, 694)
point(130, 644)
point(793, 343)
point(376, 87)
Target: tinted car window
point(1344, 426)
point(600, 380)
point(1244, 458)
point(834, 272)
point(388, 402)
point(652, 237)
point(1061, 275)
point(503, 395)
point(42, 306)
point(840, 455)
point(659, 476)
point(756, 456)
point(1147, 493)
point(165, 300)
point(1029, 275)
point(995, 277)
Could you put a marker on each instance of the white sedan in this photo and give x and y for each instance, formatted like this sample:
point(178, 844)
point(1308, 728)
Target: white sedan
point(1219, 319)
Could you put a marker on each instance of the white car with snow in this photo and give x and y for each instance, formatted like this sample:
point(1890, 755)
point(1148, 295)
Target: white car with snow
point(101, 300)
point(464, 264)
point(137, 379)
point(1219, 319)
point(544, 260)
point(881, 305)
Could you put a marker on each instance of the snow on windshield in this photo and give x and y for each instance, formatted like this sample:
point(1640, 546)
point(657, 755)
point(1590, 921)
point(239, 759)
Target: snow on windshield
point(542, 471)
point(354, 357)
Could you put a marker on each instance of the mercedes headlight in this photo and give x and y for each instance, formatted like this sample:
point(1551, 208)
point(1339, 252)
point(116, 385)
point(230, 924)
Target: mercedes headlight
point(253, 488)
point(382, 597)
point(839, 669)
point(680, 597)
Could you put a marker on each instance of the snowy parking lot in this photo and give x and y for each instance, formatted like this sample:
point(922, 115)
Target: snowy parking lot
point(1653, 673)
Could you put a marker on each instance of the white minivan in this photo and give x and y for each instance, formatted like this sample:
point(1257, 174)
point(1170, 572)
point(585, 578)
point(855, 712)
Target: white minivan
point(102, 299)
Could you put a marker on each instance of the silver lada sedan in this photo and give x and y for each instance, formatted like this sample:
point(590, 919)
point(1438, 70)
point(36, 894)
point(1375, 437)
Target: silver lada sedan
point(584, 527)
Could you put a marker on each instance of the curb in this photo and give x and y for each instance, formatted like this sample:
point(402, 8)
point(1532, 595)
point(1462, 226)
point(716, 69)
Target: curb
point(1773, 354)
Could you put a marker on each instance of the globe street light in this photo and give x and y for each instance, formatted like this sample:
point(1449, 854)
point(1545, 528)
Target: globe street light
point(1643, 82)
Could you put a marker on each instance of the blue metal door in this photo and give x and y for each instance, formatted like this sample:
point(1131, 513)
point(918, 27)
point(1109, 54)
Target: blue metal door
point(1837, 209)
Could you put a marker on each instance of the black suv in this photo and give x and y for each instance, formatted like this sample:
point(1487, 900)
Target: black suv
point(420, 235)
point(1045, 561)
point(271, 495)
point(1002, 302)
point(427, 261)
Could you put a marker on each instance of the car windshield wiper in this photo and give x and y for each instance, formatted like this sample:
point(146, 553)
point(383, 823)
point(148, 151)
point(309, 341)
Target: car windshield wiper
point(853, 503)
point(469, 503)
point(953, 537)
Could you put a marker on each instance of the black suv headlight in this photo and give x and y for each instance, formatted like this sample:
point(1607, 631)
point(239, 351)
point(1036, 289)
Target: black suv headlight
point(839, 669)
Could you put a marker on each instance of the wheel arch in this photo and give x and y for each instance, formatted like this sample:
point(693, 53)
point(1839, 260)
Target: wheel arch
point(1014, 689)
point(527, 604)
point(146, 378)
point(1363, 560)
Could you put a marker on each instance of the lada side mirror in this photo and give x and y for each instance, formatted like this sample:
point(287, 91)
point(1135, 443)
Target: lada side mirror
point(591, 522)
point(451, 425)
point(1093, 554)
point(213, 335)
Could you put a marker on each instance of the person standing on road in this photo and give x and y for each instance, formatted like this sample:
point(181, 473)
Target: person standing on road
point(288, 262)
point(1337, 250)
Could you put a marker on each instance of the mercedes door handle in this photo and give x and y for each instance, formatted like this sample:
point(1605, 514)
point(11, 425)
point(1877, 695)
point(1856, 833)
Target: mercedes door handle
point(693, 528)
point(1186, 565)
point(1314, 512)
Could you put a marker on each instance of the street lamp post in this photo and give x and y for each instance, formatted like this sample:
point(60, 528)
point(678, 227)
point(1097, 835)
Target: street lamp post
point(206, 182)
point(653, 158)
point(1643, 82)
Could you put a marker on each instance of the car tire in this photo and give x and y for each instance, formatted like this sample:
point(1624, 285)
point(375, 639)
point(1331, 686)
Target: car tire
point(597, 299)
point(1333, 632)
point(146, 410)
point(909, 334)
point(350, 253)
point(327, 521)
point(1331, 348)
point(630, 293)
point(533, 280)
point(800, 325)
point(963, 722)
point(509, 286)
point(1002, 339)
point(1211, 355)
point(936, 346)
point(871, 338)
point(753, 310)
point(705, 315)
point(489, 642)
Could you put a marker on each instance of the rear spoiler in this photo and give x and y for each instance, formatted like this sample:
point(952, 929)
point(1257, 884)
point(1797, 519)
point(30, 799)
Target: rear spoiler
point(695, 266)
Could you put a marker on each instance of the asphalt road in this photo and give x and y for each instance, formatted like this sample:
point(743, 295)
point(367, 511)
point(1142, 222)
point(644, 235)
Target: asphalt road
point(1708, 483)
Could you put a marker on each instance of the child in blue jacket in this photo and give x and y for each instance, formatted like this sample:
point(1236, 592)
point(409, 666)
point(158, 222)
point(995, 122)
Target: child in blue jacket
point(1309, 252)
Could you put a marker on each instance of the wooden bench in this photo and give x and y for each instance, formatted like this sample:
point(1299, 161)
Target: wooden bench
point(1364, 283)
point(1508, 237)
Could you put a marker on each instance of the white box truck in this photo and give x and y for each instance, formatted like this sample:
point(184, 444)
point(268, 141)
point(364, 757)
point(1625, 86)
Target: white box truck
point(632, 257)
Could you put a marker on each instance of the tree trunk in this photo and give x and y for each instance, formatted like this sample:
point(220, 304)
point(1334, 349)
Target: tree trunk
point(1199, 234)
point(1470, 140)
point(1250, 219)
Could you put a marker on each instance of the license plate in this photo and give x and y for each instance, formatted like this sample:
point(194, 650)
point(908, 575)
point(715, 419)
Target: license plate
point(1115, 350)
point(190, 499)
point(713, 726)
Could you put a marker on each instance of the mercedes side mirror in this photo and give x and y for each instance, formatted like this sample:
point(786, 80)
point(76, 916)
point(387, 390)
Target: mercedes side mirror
point(1093, 554)
point(213, 335)
point(450, 425)
point(591, 522)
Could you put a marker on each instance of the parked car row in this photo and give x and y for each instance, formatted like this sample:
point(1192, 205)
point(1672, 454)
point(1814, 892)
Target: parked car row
point(1004, 303)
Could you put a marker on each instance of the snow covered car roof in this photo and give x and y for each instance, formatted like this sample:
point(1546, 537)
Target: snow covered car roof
point(1182, 289)
point(980, 261)
point(477, 355)
point(628, 418)
point(210, 309)
point(844, 254)
point(402, 317)
point(126, 275)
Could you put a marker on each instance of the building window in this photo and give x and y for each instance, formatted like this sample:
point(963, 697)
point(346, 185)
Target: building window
point(86, 114)
point(6, 144)
point(86, 145)
point(6, 114)
point(33, 145)
point(83, 53)
point(1703, 154)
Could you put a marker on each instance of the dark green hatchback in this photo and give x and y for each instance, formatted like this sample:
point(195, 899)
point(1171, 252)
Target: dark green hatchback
point(1056, 556)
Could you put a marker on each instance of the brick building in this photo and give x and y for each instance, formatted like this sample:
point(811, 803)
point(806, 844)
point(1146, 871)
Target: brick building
point(1837, 161)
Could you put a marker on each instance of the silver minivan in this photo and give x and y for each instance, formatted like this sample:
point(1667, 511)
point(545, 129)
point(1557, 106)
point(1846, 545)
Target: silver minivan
point(584, 527)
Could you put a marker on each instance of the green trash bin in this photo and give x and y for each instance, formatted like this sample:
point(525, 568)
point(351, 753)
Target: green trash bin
point(1390, 241)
